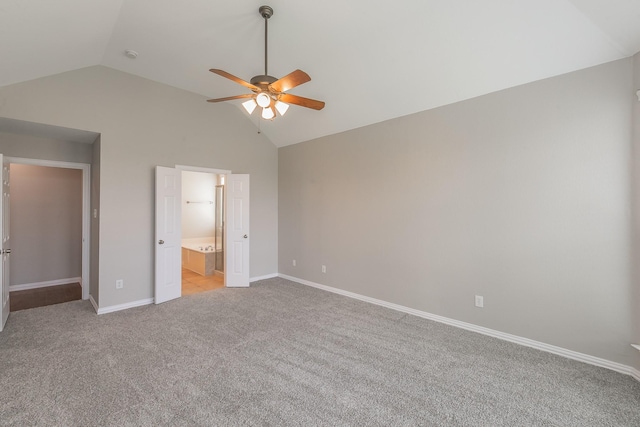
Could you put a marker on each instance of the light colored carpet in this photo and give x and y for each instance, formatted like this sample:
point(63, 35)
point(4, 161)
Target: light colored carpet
point(280, 353)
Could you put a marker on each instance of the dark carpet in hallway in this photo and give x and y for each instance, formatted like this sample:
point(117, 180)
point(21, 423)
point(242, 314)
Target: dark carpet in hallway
point(40, 297)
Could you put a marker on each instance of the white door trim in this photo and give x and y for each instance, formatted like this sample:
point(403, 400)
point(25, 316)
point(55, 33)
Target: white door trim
point(86, 207)
point(199, 169)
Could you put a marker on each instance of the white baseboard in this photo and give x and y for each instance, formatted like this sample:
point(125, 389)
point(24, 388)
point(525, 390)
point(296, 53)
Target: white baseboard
point(268, 276)
point(112, 308)
point(94, 303)
point(118, 307)
point(37, 285)
point(570, 354)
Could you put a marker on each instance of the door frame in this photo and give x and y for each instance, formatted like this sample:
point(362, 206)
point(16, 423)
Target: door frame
point(86, 208)
point(187, 168)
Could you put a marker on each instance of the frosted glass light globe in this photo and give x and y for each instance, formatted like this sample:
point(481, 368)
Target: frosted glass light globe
point(267, 113)
point(263, 100)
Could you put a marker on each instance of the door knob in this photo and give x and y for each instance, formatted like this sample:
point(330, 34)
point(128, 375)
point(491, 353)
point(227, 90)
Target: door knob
point(161, 242)
point(7, 251)
point(245, 236)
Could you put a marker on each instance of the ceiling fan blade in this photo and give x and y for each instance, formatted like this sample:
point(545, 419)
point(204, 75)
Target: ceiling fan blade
point(303, 102)
point(234, 78)
point(229, 98)
point(290, 81)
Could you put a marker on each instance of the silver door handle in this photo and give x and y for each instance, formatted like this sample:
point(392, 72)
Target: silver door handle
point(161, 242)
point(6, 251)
point(245, 236)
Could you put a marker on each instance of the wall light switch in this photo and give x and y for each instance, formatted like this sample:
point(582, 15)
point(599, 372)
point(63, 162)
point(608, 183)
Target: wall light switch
point(479, 301)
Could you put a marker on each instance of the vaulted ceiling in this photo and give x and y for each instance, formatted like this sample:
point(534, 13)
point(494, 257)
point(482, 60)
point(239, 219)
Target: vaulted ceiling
point(369, 60)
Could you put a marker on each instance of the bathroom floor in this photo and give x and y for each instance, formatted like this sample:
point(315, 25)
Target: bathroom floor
point(193, 283)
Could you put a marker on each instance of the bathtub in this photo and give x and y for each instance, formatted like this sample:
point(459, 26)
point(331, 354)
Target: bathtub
point(204, 248)
point(199, 255)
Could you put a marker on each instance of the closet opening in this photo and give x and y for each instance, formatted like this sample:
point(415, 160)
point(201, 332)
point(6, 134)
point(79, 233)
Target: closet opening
point(47, 214)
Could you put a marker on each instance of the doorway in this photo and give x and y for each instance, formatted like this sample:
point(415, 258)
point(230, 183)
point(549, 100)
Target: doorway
point(49, 226)
point(202, 246)
point(168, 231)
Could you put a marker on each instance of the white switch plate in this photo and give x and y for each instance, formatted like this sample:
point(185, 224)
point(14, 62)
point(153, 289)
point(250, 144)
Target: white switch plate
point(119, 284)
point(324, 268)
point(294, 262)
point(479, 301)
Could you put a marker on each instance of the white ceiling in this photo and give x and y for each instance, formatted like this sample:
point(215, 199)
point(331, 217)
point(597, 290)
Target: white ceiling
point(369, 60)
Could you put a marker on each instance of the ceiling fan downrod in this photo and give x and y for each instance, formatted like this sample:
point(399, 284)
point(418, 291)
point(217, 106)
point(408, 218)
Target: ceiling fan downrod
point(266, 12)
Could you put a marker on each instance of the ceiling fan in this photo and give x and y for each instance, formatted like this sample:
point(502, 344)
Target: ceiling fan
point(269, 93)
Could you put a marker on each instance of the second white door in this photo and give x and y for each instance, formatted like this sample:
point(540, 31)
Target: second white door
point(237, 236)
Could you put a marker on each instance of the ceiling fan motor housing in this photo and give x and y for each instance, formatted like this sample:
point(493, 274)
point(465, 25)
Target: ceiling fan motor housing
point(262, 81)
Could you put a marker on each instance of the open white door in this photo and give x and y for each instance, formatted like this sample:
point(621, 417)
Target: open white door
point(168, 280)
point(5, 248)
point(236, 268)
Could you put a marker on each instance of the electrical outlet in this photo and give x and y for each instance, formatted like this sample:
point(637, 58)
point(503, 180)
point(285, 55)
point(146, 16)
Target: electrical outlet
point(294, 262)
point(324, 268)
point(119, 284)
point(479, 301)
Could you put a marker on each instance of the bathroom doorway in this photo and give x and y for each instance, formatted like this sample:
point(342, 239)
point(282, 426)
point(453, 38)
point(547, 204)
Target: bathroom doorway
point(202, 231)
point(168, 233)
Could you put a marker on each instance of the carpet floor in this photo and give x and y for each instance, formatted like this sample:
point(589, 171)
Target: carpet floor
point(32, 298)
point(279, 354)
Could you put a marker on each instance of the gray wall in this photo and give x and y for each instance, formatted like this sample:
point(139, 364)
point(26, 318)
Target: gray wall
point(46, 224)
point(34, 147)
point(521, 196)
point(143, 124)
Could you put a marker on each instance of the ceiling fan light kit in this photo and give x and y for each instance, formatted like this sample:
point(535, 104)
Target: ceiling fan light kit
point(263, 100)
point(281, 107)
point(268, 114)
point(269, 93)
point(249, 105)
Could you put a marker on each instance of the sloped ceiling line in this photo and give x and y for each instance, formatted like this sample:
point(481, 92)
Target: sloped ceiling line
point(369, 60)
